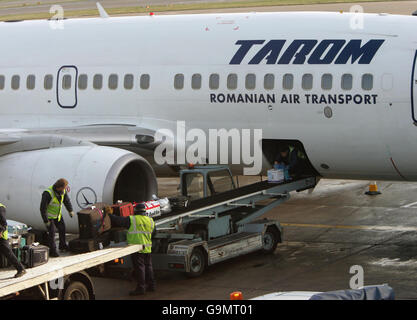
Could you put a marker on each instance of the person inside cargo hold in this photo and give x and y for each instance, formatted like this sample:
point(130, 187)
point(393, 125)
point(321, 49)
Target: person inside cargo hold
point(293, 158)
point(141, 228)
point(5, 248)
point(51, 212)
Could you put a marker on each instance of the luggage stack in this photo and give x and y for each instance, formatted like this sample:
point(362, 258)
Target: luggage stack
point(19, 237)
point(94, 230)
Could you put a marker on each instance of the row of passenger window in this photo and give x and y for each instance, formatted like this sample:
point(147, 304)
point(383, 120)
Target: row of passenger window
point(67, 81)
point(346, 82)
point(196, 80)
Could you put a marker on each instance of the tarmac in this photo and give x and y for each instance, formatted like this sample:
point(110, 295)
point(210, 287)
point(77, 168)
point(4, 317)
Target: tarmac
point(326, 232)
point(17, 7)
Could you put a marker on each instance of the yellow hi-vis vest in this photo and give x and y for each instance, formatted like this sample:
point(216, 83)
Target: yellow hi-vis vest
point(54, 208)
point(140, 232)
point(5, 233)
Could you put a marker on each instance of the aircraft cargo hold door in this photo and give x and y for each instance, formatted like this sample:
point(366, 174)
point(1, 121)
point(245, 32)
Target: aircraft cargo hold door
point(66, 88)
point(414, 90)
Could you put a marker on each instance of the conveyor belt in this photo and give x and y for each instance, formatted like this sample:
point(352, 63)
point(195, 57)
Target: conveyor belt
point(230, 195)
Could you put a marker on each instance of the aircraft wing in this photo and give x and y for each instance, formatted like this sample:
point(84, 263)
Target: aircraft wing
point(137, 139)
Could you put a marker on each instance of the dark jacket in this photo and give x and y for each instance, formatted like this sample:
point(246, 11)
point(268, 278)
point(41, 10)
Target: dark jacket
point(3, 221)
point(290, 160)
point(123, 222)
point(46, 199)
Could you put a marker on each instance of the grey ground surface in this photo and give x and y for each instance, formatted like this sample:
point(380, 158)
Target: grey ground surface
point(33, 6)
point(326, 233)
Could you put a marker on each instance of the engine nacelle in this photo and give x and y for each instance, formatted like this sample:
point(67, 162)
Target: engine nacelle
point(95, 174)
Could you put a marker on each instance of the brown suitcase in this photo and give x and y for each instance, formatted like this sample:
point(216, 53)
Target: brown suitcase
point(93, 222)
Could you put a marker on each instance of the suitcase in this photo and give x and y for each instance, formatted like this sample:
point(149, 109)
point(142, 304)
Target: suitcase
point(118, 235)
point(29, 237)
point(15, 241)
point(89, 245)
point(123, 209)
point(151, 208)
point(33, 256)
point(92, 223)
point(179, 203)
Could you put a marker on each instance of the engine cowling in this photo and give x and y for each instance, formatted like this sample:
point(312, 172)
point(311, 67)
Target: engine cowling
point(95, 174)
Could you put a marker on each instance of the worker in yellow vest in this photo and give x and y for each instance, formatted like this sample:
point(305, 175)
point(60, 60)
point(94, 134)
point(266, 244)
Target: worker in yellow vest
point(140, 229)
point(51, 211)
point(5, 248)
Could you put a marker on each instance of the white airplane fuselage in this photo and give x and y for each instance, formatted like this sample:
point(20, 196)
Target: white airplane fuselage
point(369, 135)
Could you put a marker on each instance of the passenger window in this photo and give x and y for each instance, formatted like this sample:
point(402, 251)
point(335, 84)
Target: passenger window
point(113, 79)
point(82, 81)
point(30, 82)
point(232, 81)
point(128, 82)
point(66, 82)
point(2, 79)
point(98, 81)
point(214, 81)
point(367, 81)
point(196, 81)
point(15, 82)
point(145, 81)
point(307, 81)
point(347, 81)
point(269, 81)
point(326, 81)
point(250, 82)
point(48, 82)
point(288, 81)
point(179, 81)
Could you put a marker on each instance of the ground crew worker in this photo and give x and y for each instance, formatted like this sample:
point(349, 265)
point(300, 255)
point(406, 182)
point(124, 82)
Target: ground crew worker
point(140, 229)
point(5, 248)
point(51, 212)
point(293, 158)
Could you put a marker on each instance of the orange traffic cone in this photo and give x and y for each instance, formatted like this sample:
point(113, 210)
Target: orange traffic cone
point(237, 295)
point(373, 190)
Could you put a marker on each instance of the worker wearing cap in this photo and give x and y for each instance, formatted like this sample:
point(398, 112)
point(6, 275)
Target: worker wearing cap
point(140, 229)
point(5, 248)
point(51, 211)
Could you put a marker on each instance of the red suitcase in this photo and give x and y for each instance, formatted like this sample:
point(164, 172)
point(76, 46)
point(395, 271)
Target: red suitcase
point(123, 209)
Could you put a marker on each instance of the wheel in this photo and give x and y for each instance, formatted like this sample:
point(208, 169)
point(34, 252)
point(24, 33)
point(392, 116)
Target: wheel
point(270, 241)
point(76, 291)
point(197, 263)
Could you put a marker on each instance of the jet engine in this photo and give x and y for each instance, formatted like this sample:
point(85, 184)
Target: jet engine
point(95, 174)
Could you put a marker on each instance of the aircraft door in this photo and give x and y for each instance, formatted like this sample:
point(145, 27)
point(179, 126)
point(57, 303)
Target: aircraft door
point(414, 89)
point(66, 87)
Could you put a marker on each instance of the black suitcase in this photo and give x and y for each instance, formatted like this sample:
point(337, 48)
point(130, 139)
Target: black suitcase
point(92, 223)
point(89, 245)
point(33, 256)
